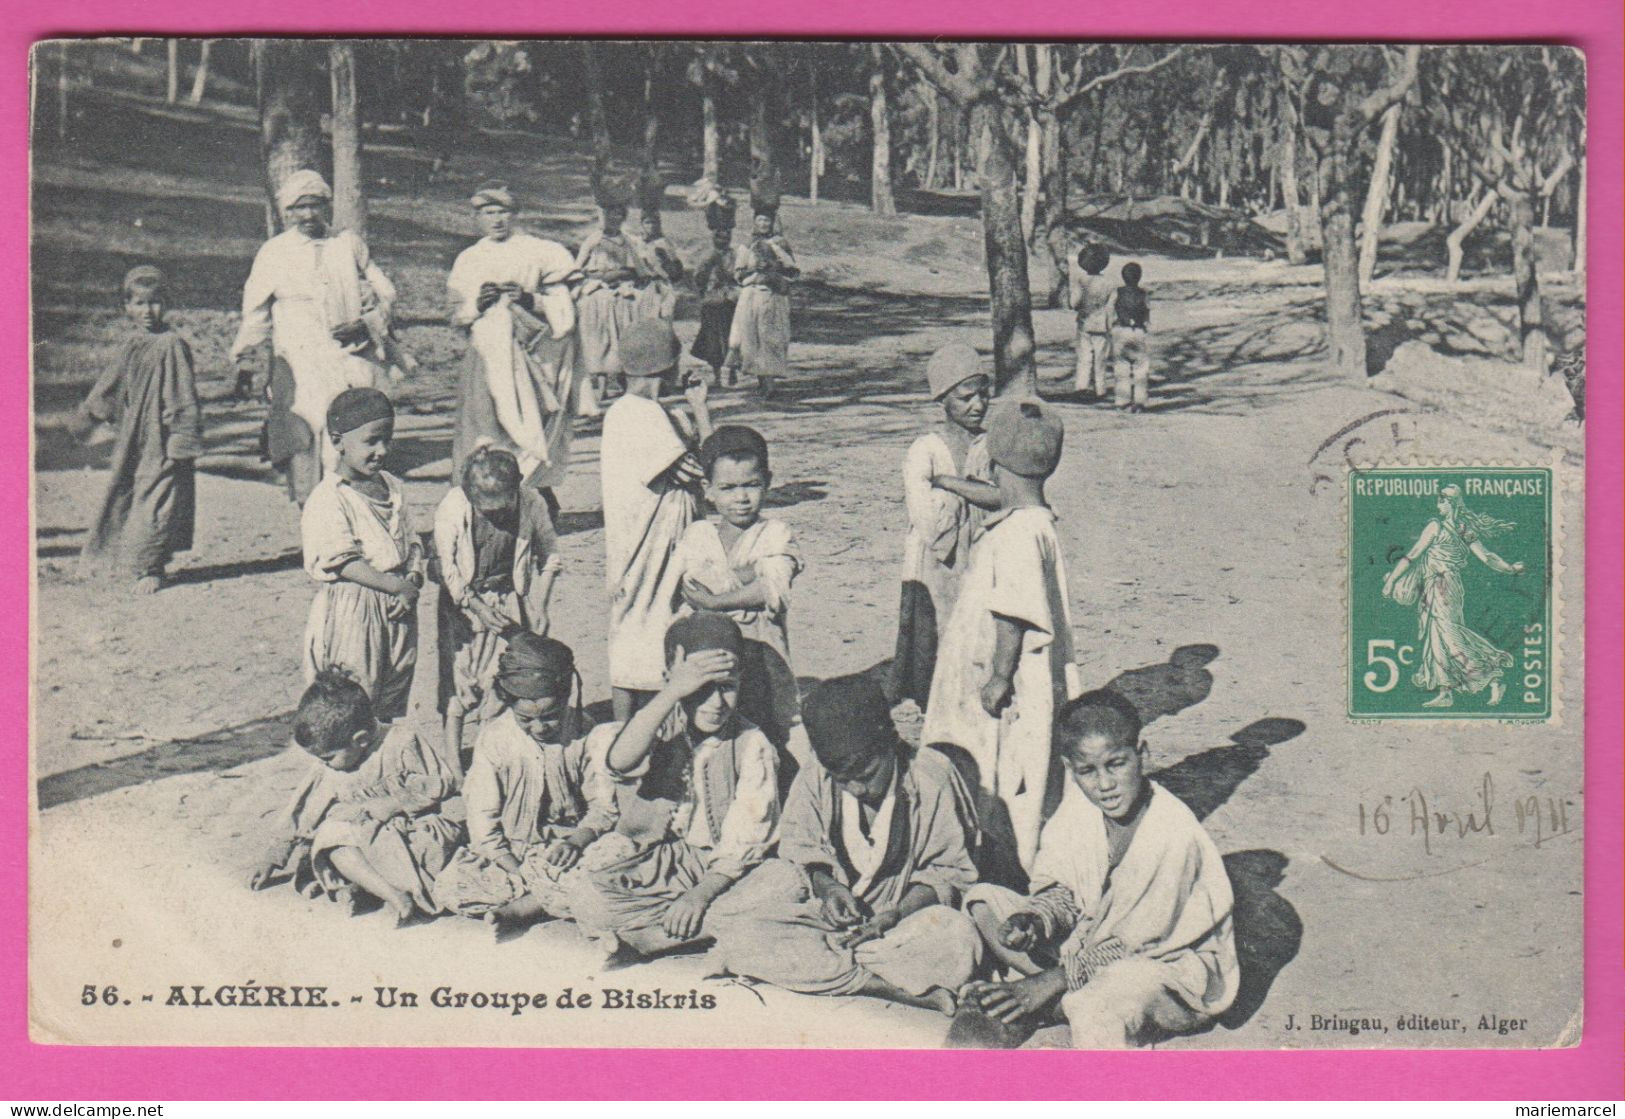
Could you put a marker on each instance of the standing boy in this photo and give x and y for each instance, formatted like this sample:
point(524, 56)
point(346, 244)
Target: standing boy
point(1128, 922)
point(1005, 664)
point(1131, 318)
point(1091, 292)
point(151, 393)
point(719, 290)
point(650, 477)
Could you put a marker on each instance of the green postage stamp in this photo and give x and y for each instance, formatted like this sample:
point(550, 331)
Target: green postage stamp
point(1450, 593)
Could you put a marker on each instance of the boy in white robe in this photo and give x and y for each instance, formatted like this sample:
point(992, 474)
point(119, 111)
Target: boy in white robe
point(650, 479)
point(743, 564)
point(1004, 665)
point(1128, 923)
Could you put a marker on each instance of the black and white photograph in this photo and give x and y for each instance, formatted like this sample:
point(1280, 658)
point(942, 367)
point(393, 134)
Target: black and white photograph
point(871, 545)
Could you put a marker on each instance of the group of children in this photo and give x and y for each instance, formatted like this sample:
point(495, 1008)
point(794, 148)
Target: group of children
point(1112, 331)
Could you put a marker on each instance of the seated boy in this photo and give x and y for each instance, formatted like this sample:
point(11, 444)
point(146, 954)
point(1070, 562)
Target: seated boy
point(368, 813)
point(699, 804)
point(872, 860)
point(1128, 922)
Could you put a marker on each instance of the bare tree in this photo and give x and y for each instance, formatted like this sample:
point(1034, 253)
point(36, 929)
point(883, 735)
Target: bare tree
point(597, 119)
point(172, 87)
point(881, 199)
point(1376, 195)
point(349, 194)
point(200, 78)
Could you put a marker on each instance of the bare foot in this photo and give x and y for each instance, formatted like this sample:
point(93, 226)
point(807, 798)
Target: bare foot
point(148, 584)
point(1497, 690)
point(941, 1000)
point(1443, 699)
point(400, 904)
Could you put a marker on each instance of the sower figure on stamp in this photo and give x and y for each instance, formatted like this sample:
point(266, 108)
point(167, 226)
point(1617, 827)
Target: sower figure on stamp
point(1452, 656)
point(519, 388)
point(699, 805)
point(873, 858)
point(150, 392)
point(307, 294)
point(537, 794)
point(1127, 925)
point(368, 814)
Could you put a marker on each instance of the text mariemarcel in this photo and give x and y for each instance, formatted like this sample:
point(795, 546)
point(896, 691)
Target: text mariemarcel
point(257, 995)
point(1492, 485)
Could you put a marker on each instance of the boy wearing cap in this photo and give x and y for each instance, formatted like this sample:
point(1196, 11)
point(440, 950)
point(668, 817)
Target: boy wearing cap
point(947, 482)
point(1005, 665)
point(699, 806)
point(150, 392)
point(1091, 292)
point(650, 479)
point(518, 389)
point(743, 564)
point(305, 293)
point(873, 859)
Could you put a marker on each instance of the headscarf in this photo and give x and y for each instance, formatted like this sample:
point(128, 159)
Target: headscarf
point(535, 667)
point(354, 407)
point(848, 721)
point(301, 184)
point(493, 194)
point(143, 276)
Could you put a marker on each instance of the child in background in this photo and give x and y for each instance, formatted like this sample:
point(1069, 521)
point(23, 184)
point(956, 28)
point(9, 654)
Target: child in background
point(1131, 319)
point(1128, 923)
point(367, 815)
point(150, 392)
point(659, 265)
point(606, 304)
point(1091, 292)
point(361, 549)
point(718, 289)
point(946, 485)
point(873, 858)
point(1005, 665)
point(650, 477)
point(701, 802)
point(742, 564)
point(759, 340)
point(537, 793)
point(499, 559)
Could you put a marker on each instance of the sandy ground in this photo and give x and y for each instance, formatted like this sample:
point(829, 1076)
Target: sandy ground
point(1207, 583)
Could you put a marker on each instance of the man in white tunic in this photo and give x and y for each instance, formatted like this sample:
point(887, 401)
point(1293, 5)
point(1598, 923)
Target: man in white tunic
point(519, 389)
point(307, 293)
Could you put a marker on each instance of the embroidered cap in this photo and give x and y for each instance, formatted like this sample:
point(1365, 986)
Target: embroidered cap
point(649, 347)
point(354, 407)
point(951, 365)
point(1025, 438)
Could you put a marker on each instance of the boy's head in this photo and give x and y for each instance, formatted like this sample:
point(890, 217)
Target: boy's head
point(711, 708)
point(335, 722)
point(1093, 259)
point(534, 678)
point(848, 722)
point(491, 480)
point(736, 473)
point(649, 348)
point(1025, 439)
point(649, 222)
point(956, 376)
point(494, 206)
point(307, 202)
point(361, 422)
point(614, 216)
point(1098, 739)
point(143, 290)
point(722, 238)
point(764, 220)
point(1131, 274)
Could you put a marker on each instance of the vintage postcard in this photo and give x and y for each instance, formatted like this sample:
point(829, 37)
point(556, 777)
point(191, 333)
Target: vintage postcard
point(807, 544)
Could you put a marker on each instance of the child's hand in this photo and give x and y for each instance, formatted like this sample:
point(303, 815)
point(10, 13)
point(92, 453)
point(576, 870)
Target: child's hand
point(686, 916)
point(840, 907)
point(1021, 931)
point(746, 574)
point(401, 605)
point(262, 875)
point(687, 470)
point(563, 854)
point(699, 596)
point(877, 926)
point(697, 392)
point(486, 299)
point(1010, 1002)
point(702, 669)
point(996, 695)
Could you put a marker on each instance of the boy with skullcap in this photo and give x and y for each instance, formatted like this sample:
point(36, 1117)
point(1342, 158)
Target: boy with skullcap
point(947, 485)
point(699, 804)
point(1005, 665)
point(150, 392)
point(873, 860)
point(537, 794)
point(1091, 292)
point(650, 478)
point(362, 549)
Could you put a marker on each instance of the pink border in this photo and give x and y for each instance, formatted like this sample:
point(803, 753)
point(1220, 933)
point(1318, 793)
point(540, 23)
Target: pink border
point(1590, 1071)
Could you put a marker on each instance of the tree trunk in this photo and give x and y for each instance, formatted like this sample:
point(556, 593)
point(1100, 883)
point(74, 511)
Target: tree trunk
point(1015, 371)
point(764, 170)
point(200, 80)
point(815, 170)
point(1458, 236)
point(880, 191)
point(1345, 333)
point(172, 89)
point(1376, 195)
point(349, 197)
point(1056, 208)
point(933, 109)
point(1295, 253)
point(597, 121)
point(710, 143)
point(1526, 279)
point(1580, 227)
point(63, 73)
point(290, 114)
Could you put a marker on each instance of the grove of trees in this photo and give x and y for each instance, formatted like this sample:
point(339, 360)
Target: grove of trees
point(1330, 143)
